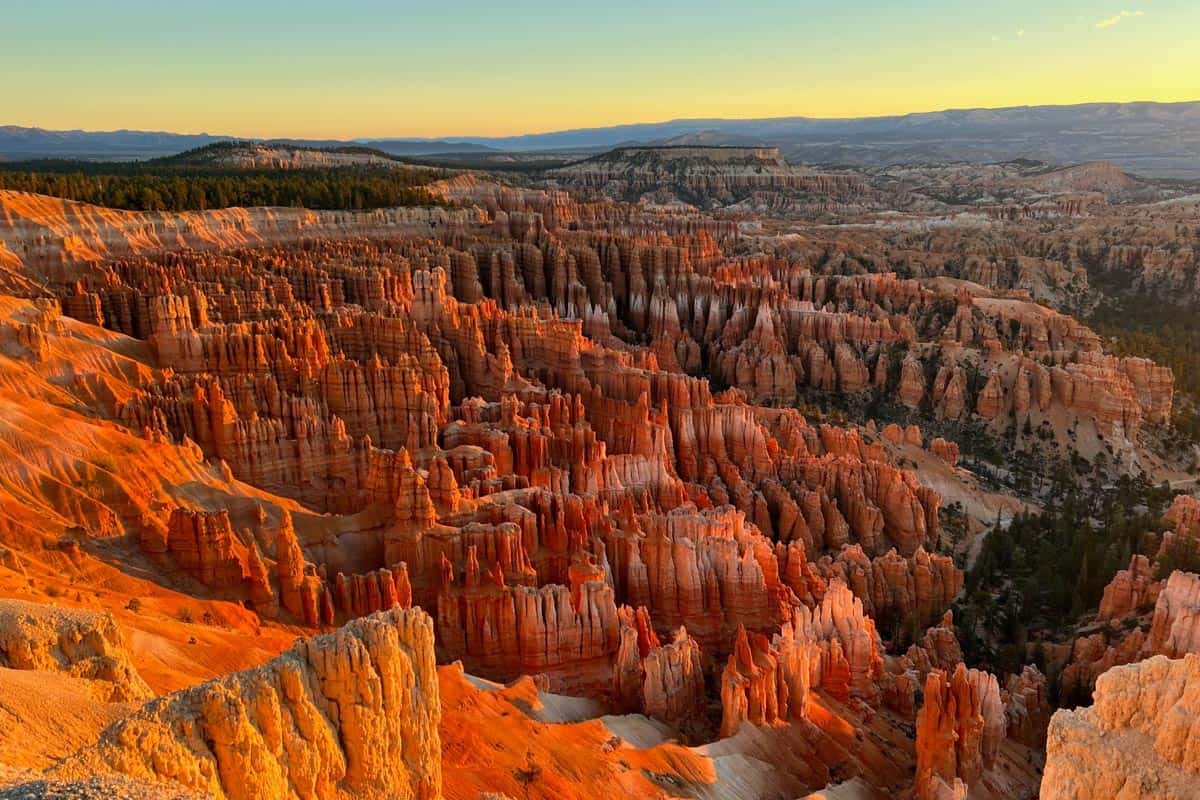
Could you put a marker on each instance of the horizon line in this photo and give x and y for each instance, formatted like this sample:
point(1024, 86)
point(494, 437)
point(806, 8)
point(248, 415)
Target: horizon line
point(466, 138)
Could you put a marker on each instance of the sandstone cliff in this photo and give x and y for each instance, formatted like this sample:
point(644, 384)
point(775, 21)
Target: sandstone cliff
point(1138, 740)
point(352, 713)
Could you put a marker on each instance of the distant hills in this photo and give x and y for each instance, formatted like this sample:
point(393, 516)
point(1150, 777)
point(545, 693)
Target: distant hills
point(22, 144)
point(1156, 139)
point(274, 155)
point(18, 143)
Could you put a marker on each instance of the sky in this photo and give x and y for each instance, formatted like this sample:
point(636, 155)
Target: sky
point(395, 68)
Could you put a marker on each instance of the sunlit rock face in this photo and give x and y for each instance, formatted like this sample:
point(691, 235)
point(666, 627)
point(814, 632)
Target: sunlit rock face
point(1174, 625)
point(1137, 740)
point(82, 644)
point(353, 713)
point(959, 730)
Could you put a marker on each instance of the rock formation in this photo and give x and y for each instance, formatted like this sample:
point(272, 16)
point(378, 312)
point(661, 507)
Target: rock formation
point(83, 644)
point(1175, 629)
point(1129, 590)
point(1184, 514)
point(905, 593)
point(946, 451)
point(1138, 739)
point(663, 681)
point(959, 730)
point(505, 631)
point(352, 713)
point(706, 174)
point(1027, 706)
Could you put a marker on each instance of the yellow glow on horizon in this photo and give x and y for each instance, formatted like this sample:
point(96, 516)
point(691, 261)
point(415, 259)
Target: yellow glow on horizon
point(379, 70)
point(342, 119)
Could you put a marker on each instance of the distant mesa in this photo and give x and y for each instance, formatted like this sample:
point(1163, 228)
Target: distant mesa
point(1093, 176)
point(703, 176)
point(259, 155)
point(717, 154)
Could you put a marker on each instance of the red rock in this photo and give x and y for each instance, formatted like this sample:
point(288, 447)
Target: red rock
point(959, 730)
point(991, 398)
point(1175, 629)
point(751, 690)
point(946, 451)
point(505, 631)
point(1184, 514)
point(495, 413)
point(1129, 590)
point(1027, 707)
point(913, 592)
point(893, 433)
point(912, 382)
point(665, 682)
point(950, 392)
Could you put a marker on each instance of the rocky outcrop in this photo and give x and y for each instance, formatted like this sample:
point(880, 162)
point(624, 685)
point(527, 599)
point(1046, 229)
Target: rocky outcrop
point(959, 731)
point(912, 382)
point(768, 680)
point(901, 593)
point(849, 650)
point(1184, 514)
point(706, 175)
point(352, 713)
point(47, 231)
point(1027, 707)
point(833, 647)
point(571, 428)
point(505, 631)
point(1129, 590)
point(83, 644)
point(945, 450)
point(938, 649)
point(1095, 654)
point(709, 571)
point(663, 681)
point(1137, 740)
point(760, 685)
point(358, 595)
point(204, 545)
point(301, 591)
point(1175, 629)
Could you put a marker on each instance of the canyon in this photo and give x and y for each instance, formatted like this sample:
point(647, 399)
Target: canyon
point(658, 474)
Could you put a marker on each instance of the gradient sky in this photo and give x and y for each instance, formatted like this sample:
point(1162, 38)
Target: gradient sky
point(360, 68)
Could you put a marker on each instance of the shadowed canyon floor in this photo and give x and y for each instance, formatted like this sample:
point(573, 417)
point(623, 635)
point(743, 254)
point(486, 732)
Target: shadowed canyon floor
point(655, 475)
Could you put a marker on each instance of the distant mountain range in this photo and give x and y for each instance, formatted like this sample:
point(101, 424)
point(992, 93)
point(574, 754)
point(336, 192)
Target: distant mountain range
point(1155, 139)
point(19, 144)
